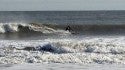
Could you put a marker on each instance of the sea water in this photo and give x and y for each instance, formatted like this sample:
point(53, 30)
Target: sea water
point(96, 37)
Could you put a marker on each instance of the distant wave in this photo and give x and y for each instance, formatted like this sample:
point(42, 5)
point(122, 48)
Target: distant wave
point(31, 27)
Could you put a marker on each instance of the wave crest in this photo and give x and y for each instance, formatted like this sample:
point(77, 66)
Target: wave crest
point(32, 27)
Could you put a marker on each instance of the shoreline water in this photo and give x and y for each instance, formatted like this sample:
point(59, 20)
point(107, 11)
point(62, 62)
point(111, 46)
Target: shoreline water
point(69, 66)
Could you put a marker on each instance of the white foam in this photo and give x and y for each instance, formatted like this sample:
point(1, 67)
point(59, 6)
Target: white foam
point(10, 27)
point(2, 30)
point(89, 50)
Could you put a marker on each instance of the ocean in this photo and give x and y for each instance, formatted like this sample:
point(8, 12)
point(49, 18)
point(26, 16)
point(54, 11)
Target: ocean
point(85, 23)
point(96, 37)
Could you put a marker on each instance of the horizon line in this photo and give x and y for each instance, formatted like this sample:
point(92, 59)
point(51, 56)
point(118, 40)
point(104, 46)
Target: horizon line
point(62, 10)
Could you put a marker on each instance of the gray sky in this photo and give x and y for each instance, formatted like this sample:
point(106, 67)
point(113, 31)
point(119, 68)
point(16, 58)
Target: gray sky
point(33, 5)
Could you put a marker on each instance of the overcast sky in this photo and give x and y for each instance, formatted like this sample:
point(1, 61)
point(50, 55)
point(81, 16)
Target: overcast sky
point(44, 5)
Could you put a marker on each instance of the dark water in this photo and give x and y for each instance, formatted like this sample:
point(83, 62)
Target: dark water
point(64, 17)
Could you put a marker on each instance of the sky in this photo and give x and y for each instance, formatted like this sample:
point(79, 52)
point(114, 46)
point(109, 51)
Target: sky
point(61, 5)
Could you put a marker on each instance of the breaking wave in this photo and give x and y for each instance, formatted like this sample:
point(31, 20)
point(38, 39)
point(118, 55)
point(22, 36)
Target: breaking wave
point(32, 27)
point(90, 50)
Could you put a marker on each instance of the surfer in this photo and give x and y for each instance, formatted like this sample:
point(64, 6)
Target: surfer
point(68, 28)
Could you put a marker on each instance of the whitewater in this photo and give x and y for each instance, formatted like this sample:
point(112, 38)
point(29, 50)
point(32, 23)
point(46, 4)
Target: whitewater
point(87, 50)
point(25, 27)
point(88, 53)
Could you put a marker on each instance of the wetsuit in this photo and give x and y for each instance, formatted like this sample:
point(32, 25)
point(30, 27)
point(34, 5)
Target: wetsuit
point(68, 28)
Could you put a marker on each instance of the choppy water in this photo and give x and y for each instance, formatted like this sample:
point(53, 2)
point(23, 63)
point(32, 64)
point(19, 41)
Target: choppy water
point(84, 50)
point(37, 37)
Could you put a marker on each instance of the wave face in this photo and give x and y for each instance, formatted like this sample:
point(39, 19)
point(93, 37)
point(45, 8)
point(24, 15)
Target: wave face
point(90, 50)
point(60, 29)
point(32, 27)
